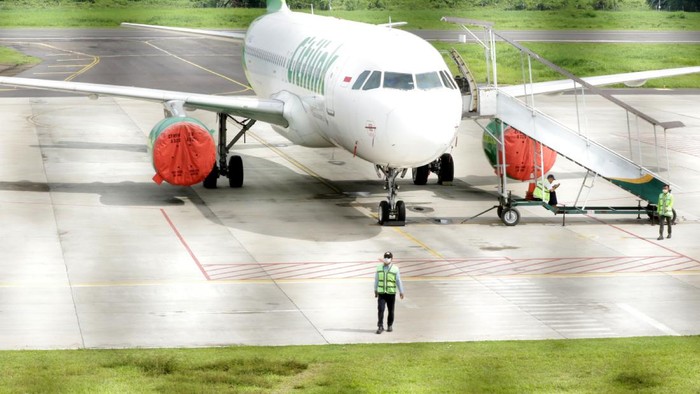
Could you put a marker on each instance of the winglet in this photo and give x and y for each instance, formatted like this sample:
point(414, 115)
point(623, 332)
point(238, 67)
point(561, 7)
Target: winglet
point(276, 5)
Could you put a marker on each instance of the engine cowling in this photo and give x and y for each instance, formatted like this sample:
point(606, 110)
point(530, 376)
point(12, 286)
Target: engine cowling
point(183, 151)
point(520, 151)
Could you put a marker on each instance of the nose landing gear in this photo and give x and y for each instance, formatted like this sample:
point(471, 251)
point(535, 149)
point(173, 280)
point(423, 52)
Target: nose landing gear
point(391, 212)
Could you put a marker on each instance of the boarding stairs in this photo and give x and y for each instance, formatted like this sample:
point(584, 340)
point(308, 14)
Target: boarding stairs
point(489, 102)
point(577, 147)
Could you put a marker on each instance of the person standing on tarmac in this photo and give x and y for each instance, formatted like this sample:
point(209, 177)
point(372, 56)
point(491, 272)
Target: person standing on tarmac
point(665, 210)
point(386, 280)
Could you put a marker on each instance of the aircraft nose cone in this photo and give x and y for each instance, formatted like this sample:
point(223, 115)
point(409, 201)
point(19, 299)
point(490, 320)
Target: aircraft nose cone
point(422, 132)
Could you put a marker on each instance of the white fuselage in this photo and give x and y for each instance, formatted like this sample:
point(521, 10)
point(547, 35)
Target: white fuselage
point(403, 112)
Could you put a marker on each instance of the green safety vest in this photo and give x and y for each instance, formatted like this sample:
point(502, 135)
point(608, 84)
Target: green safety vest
point(538, 192)
point(665, 206)
point(386, 283)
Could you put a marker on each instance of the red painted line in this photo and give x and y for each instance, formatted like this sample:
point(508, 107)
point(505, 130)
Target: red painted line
point(294, 265)
point(588, 263)
point(243, 277)
point(287, 270)
point(644, 239)
point(655, 260)
point(485, 266)
point(577, 264)
point(665, 266)
point(362, 269)
point(600, 267)
point(693, 266)
point(328, 272)
point(184, 243)
point(518, 263)
point(469, 264)
point(350, 270)
point(301, 273)
point(423, 267)
point(437, 272)
point(343, 274)
point(529, 267)
point(236, 271)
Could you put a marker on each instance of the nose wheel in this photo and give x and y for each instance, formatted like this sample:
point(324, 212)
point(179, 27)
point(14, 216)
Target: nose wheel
point(391, 212)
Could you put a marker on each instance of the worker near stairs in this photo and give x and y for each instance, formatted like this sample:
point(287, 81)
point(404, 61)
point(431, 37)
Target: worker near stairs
point(665, 210)
point(386, 280)
point(546, 191)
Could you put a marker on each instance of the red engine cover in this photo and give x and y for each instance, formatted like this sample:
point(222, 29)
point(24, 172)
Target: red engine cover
point(184, 153)
point(520, 151)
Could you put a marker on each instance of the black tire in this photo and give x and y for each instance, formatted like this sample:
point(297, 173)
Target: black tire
point(499, 211)
point(420, 175)
point(383, 212)
point(210, 181)
point(447, 169)
point(510, 217)
point(651, 212)
point(400, 211)
point(235, 171)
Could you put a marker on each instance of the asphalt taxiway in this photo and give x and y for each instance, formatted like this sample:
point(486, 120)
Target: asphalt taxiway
point(94, 254)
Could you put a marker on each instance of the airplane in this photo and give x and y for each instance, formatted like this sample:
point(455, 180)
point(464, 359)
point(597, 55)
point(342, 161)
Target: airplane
point(382, 94)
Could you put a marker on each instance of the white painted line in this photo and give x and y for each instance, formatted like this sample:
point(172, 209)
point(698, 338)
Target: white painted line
point(639, 315)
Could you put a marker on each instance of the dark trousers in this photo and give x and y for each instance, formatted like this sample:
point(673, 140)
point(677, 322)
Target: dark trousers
point(553, 199)
point(385, 300)
point(668, 220)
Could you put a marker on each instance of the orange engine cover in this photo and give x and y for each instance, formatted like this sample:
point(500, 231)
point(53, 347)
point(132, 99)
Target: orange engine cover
point(183, 151)
point(521, 152)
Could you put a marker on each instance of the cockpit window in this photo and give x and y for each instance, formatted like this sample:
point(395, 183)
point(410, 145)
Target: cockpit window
point(427, 81)
point(360, 80)
point(447, 80)
point(398, 81)
point(374, 81)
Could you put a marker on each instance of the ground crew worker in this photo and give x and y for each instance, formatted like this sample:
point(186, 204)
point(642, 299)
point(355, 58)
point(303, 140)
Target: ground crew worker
point(546, 191)
point(665, 210)
point(386, 280)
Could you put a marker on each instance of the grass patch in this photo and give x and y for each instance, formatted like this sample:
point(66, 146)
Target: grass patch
point(11, 60)
point(661, 364)
point(77, 15)
point(584, 60)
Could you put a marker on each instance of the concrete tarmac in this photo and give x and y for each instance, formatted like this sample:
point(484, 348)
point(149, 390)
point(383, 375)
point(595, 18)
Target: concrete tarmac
point(93, 254)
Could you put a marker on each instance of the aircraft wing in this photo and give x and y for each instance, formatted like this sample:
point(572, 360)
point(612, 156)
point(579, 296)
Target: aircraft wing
point(266, 110)
point(634, 78)
point(211, 33)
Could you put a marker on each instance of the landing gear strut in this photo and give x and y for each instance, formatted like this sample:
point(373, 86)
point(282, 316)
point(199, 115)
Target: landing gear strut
point(234, 169)
point(391, 212)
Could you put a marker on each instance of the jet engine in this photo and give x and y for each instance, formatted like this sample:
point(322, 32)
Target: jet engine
point(183, 151)
point(521, 151)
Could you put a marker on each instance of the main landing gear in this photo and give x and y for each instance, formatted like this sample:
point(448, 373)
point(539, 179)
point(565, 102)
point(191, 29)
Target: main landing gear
point(391, 212)
point(444, 167)
point(234, 169)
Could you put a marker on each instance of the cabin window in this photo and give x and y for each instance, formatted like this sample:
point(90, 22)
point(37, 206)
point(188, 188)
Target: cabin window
point(398, 81)
point(374, 81)
point(447, 80)
point(427, 81)
point(360, 80)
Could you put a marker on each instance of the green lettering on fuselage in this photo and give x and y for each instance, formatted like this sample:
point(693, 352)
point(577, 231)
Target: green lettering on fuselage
point(310, 63)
